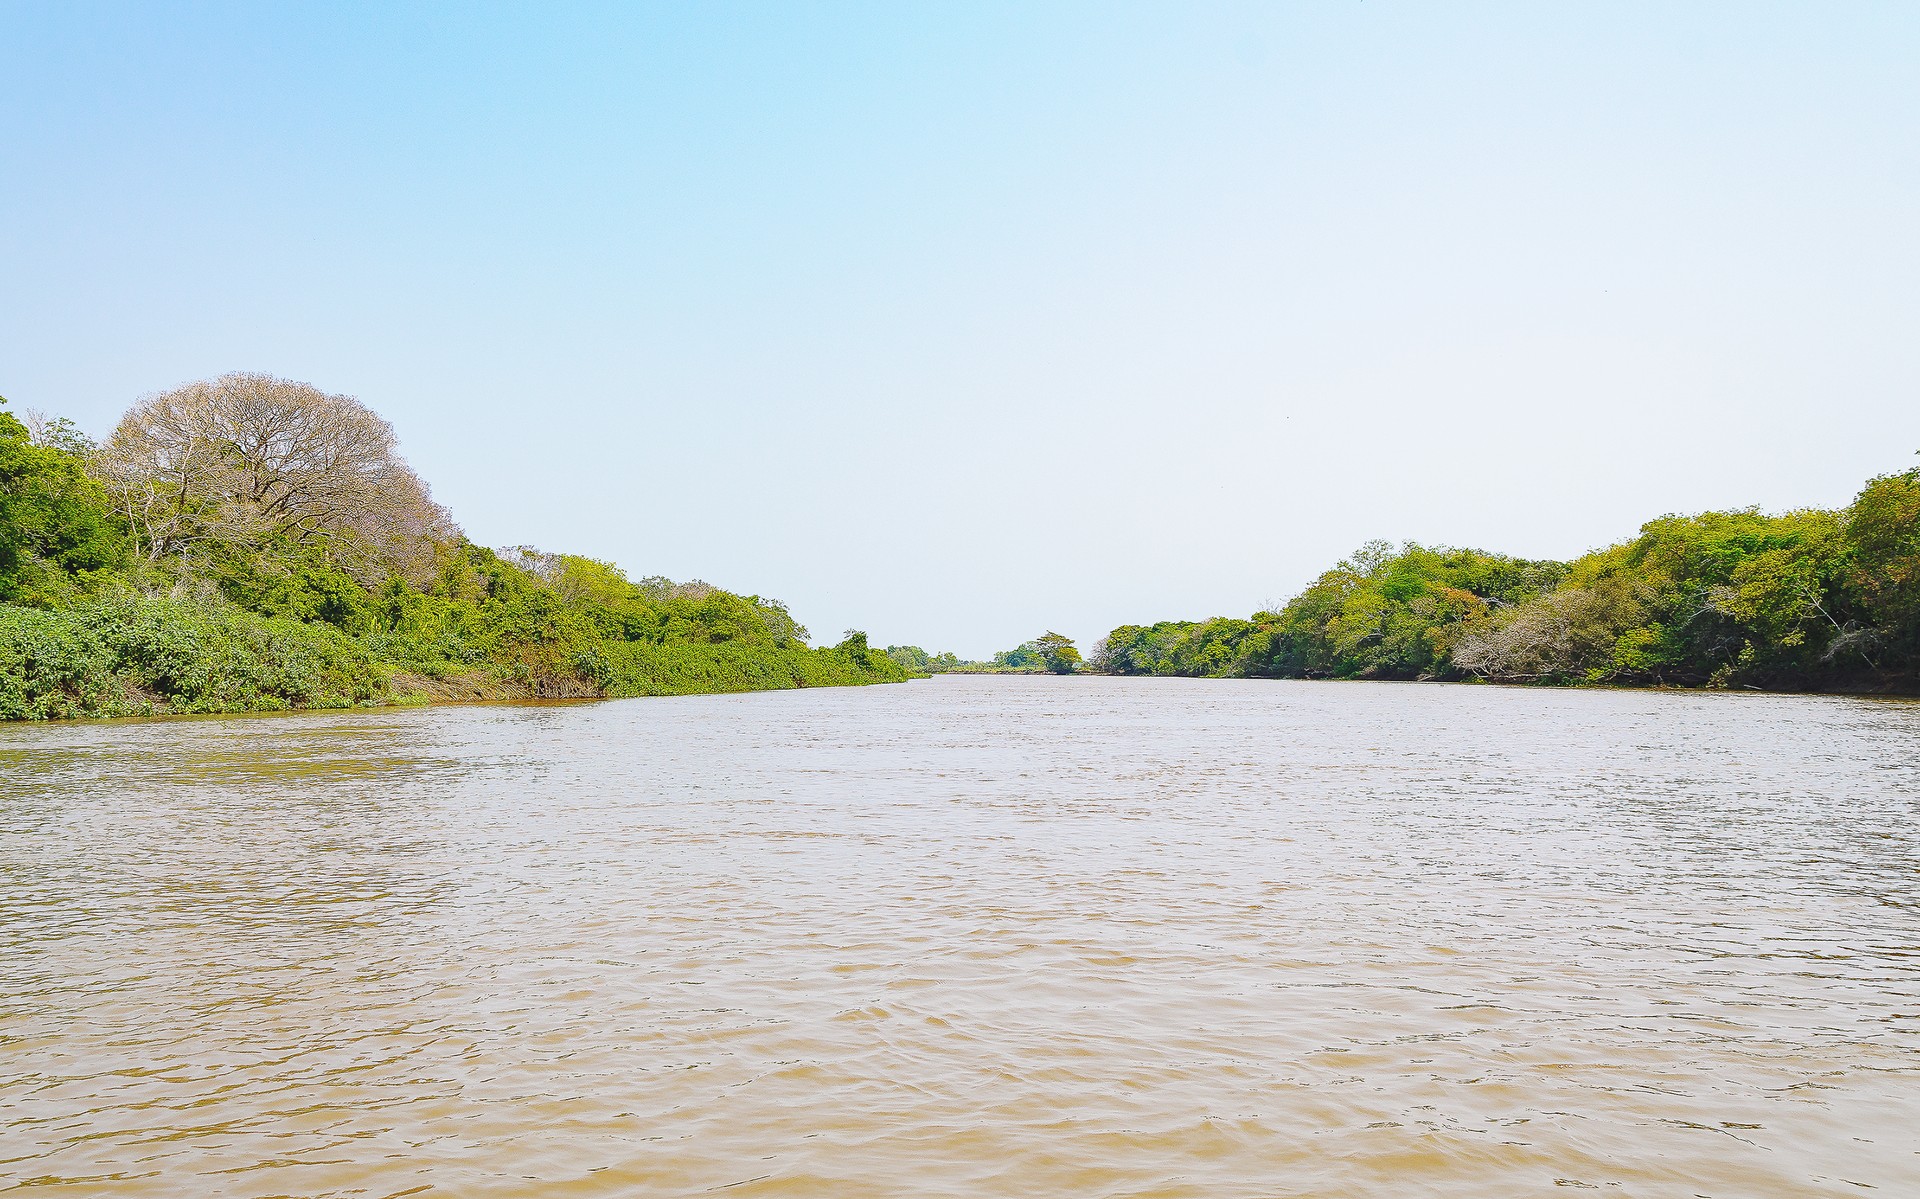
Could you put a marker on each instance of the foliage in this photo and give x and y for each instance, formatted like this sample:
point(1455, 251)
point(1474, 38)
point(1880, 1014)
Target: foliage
point(1214, 648)
point(252, 459)
point(682, 669)
point(54, 519)
point(1799, 600)
point(1719, 598)
point(912, 659)
point(238, 611)
point(1381, 613)
point(1023, 660)
point(132, 655)
point(1055, 652)
point(1050, 652)
point(1883, 570)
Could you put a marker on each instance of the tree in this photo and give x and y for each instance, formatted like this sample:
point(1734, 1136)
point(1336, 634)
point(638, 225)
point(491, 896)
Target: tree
point(51, 514)
point(57, 432)
point(854, 645)
point(251, 458)
point(1883, 534)
point(1119, 652)
point(912, 657)
point(1056, 652)
point(1020, 657)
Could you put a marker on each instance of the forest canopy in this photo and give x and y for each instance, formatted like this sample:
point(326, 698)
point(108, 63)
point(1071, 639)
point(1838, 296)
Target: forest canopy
point(1803, 600)
point(249, 542)
point(1049, 653)
point(252, 542)
point(248, 459)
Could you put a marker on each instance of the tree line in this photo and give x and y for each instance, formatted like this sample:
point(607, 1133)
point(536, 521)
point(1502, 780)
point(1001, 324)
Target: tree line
point(1049, 653)
point(1807, 600)
point(251, 542)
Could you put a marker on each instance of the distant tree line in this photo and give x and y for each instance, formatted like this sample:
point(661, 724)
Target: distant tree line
point(250, 542)
point(1049, 653)
point(1806, 600)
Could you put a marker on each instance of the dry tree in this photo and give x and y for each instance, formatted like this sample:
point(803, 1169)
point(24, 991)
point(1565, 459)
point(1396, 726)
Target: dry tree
point(252, 458)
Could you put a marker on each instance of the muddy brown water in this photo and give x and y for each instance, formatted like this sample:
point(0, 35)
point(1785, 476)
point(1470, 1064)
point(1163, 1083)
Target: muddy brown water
point(970, 937)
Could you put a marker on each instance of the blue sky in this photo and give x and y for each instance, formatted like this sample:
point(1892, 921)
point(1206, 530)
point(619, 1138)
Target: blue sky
point(957, 323)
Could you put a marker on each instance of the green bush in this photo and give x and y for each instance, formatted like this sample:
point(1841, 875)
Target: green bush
point(134, 655)
point(130, 653)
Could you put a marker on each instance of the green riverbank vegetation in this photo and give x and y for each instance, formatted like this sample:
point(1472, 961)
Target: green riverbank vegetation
point(1049, 653)
point(250, 543)
point(1809, 600)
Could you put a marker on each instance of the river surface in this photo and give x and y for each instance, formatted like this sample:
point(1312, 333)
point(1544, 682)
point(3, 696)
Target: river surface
point(970, 937)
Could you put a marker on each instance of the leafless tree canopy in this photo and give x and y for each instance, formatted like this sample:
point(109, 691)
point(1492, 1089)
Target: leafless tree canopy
point(1566, 634)
point(250, 457)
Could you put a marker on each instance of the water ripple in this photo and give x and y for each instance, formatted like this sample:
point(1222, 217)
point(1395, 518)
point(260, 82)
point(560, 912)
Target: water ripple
point(970, 937)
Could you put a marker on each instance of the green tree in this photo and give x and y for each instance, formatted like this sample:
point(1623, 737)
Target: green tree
point(853, 643)
point(912, 657)
point(1056, 652)
point(1883, 535)
point(54, 519)
point(1020, 657)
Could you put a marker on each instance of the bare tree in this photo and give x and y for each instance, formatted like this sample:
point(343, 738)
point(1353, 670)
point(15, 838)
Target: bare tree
point(56, 432)
point(250, 457)
point(1568, 633)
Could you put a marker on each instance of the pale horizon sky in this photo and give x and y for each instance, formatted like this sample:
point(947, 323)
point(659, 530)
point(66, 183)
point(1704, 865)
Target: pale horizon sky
point(958, 323)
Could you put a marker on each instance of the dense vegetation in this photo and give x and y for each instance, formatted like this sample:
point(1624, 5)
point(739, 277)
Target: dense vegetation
point(249, 543)
point(1049, 653)
point(1805, 600)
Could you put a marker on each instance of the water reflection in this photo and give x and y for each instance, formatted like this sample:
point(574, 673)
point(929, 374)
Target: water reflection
point(970, 937)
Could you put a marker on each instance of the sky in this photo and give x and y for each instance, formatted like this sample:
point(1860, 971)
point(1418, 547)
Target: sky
point(960, 322)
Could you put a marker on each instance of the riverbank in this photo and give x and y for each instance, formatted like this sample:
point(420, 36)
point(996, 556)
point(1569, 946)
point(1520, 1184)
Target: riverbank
point(206, 559)
point(133, 655)
point(1805, 601)
point(1890, 687)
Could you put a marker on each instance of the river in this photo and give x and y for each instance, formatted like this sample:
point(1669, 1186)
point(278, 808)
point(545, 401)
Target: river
point(970, 937)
